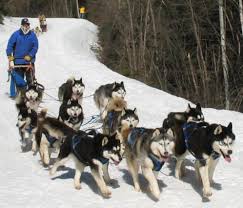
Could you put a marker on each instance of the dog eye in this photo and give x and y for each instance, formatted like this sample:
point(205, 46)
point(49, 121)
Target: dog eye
point(222, 143)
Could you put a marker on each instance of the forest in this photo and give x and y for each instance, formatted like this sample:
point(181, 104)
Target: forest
point(188, 48)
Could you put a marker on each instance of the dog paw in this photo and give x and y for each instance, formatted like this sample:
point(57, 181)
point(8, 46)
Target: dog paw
point(77, 186)
point(52, 172)
point(178, 175)
point(207, 192)
point(106, 193)
point(156, 195)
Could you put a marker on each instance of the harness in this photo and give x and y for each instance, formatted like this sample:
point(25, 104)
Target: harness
point(187, 135)
point(157, 163)
point(50, 139)
point(132, 137)
point(110, 118)
point(75, 141)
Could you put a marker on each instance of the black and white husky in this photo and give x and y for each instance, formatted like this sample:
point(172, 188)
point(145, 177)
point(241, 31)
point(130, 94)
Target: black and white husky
point(72, 89)
point(206, 142)
point(50, 134)
point(105, 93)
point(30, 97)
point(150, 149)
point(71, 113)
point(27, 125)
point(90, 149)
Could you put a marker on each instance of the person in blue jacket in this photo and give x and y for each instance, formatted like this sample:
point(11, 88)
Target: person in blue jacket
point(21, 50)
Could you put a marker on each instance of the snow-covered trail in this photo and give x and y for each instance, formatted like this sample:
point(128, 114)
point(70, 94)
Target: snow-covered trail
point(65, 51)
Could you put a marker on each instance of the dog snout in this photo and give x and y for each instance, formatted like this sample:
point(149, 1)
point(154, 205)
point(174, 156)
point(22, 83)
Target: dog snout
point(166, 153)
point(230, 152)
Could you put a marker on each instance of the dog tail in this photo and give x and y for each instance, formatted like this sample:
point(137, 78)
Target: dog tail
point(71, 79)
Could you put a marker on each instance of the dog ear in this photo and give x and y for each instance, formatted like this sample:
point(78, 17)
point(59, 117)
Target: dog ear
point(156, 133)
point(122, 84)
point(198, 106)
point(69, 102)
point(114, 85)
point(229, 126)
point(170, 132)
point(104, 141)
point(135, 111)
point(218, 130)
point(81, 79)
point(123, 112)
point(188, 108)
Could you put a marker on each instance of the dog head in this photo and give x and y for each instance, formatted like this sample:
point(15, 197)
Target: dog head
point(31, 93)
point(129, 118)
point(74, 109)
point(78, 87)
point(223, 142)
point(194, 114)
point(118, 90)
point(112, 148)
point(162, 144)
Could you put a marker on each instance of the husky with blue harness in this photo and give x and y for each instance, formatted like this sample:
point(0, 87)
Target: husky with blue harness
point(90, 149)
point(27, 125)
point(50, 135)
point(206, 143)
point(150, 149)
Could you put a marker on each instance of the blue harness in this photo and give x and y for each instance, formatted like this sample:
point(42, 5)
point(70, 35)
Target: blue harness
point(132, 137)
point(157, 163)
point(187, 136)
point(110, 118)
point(50, 139)
point(75, 141)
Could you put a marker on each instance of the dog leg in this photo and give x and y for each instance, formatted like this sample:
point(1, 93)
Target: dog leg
point(100, 181)
point(212, 165)
point(44, 152)
point(203, 170)
point(153, 183)
point(133, 168)
point(196, 166)
point(106, 173)
point(57, 164)
point(78, 172)
point(179, 162)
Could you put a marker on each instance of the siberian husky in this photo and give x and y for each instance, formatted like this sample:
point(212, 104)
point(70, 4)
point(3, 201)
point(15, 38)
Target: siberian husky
point(72, 89)
point(150, 149)
point(71, 113)
point(90, 149)
point(206, 142)
point(105, 93)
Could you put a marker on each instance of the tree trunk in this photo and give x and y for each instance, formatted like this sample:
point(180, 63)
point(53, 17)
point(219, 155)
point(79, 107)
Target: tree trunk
point(241, 16)
point(223, 51)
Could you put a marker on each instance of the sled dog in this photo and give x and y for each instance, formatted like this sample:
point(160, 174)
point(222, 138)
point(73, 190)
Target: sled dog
point(72, 89)
point(206, 142)
point(30, 97)
point(150, 149)
point(105, 93)
point(90, 149)
point(50, 133)
point(71, 113)
point(115, 110)
point(27, 125)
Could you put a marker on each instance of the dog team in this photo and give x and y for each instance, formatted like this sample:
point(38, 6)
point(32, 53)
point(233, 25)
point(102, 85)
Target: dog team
point(181, 133)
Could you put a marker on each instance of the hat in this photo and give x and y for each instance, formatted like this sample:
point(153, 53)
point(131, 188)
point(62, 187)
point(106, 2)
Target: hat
point(25, 21)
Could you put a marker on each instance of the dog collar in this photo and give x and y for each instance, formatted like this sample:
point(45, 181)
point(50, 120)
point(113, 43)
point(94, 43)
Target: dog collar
point(215, 155)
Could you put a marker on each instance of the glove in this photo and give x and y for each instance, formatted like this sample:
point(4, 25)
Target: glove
point(10, 58)
point(27, 58)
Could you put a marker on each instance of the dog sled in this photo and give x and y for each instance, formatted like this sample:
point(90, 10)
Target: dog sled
point(18, 83)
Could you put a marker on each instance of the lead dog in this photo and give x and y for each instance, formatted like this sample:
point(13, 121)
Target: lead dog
point(148, 148)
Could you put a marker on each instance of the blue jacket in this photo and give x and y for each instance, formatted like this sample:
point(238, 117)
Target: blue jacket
point(21, 44)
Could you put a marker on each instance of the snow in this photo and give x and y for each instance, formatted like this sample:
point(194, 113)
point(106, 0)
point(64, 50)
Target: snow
point(65, 51)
